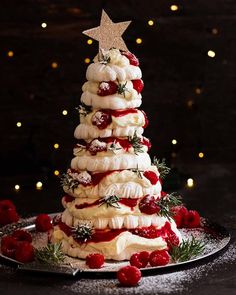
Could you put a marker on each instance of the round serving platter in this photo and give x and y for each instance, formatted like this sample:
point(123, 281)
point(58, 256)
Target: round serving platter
point(214, 236)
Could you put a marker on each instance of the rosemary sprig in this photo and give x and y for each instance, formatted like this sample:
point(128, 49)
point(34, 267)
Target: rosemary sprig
point(113, 147)
point(110, 201)
point(103, 57)
point(161, 166)
point(135, 141)
point(122, 88)
point(83, 232)
point(186, 250)
point(69, 182)
point(50, 254)
point(83, 109)
point(137, 172)
point(168, 201)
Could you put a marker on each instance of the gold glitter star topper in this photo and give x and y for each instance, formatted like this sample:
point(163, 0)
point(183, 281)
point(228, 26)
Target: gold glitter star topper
point(108, 34)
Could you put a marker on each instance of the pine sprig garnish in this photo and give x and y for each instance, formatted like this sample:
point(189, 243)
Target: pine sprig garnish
point(122, 88)
point(50, 254)
point(110, 201)
point(161, 167)
point(69, 182)
point(83, 109)
point(83, 232)
point(186, 250)
point(135, 141)
point(104, 57)
point(168, 201)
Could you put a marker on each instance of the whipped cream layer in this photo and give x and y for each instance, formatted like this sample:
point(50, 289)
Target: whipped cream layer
point(115, 222)
point(111, 162)
point(123, 184)
point(129, 99)
point(119, 125)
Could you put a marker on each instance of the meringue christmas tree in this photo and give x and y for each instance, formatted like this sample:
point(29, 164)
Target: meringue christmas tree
point(114, 204)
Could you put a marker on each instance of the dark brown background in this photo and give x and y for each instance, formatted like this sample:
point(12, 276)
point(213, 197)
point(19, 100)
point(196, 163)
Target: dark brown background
point(174, 62)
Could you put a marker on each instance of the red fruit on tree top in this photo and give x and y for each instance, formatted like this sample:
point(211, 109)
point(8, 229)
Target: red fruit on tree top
point(8, 246)
point(95, 260)
point(159, 258)
point(138, 85)
point(43, 223)
point(101, 119)
point(22, 235)
point(24, 252)
point(140, 259)
point(192, 219)
point(148, 205)
point(129, 276)
point(107, 88)
point(151, 176)
point(131, 57)
point(179, 214)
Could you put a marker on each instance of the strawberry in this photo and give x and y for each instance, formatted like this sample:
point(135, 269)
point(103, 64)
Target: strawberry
point(129, 275)
point(159, 257)
point(192, 219)
point(151, 176)
point(101, 119)
point(148, 205)
point(107, 88)
point(8, 246)
point(8, 212)
point(24, 252)
point(139, 259)
point(138, 85)
point(95, 260)
point(43, 223)
point(179, 213)
point(22, 235)
point(131, 57)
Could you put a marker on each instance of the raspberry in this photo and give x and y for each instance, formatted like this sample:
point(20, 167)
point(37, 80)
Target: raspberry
point(8, 216)
point(129, 276)
point(8, 246)
point(101, 119)
point(95, 260)
point(107, 88)
point(159, 257)
point(24, 252)
point(139, 259)
point(179, 213)
point(172, 239)
point(43, 223)
point(6, 205)
point(148, 205)
point(138, 85)
point(192, 219)
point(131, 57)
point(96, 146)
point(147, 142)
point(8, 212)
point(150, 232)
point(22, 236)
point(151, 176)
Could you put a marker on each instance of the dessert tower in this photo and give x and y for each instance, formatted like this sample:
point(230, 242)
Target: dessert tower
point(114, 204)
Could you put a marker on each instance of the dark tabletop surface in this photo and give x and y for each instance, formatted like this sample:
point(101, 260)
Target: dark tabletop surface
point(213, 196)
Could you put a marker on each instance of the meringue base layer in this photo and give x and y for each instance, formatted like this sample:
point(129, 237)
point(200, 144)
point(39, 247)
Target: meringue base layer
point(119, 248)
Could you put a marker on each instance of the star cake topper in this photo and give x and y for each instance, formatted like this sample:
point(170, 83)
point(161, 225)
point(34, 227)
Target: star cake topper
point(108, 34)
